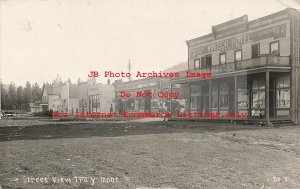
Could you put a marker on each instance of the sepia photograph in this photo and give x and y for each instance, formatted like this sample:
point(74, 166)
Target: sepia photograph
point(150, 94)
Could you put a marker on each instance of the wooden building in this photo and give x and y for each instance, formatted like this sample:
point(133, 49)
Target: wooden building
point(255, 66)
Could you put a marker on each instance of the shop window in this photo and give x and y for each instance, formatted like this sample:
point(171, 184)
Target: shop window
point(283, 81)
point(243, 95)
point(223, 95)
point(243, 99)
point(283, 91)
point(193, 102)
point(214, 101)
point(258, 84)
point(283, 98)
point(215, 88)
point(195, 89)
point(223, 58)
point(197, 63)
point(223, 101)
point(258, 99)
point(238, 55)
point(274, 46)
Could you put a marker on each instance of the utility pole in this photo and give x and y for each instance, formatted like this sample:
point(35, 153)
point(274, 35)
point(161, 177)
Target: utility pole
point(129, 69)
point(0, 97)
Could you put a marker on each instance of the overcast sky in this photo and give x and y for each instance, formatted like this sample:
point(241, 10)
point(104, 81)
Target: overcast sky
point(42, 38)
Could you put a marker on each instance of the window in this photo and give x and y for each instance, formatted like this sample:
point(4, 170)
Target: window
point(283, 81)
point(206, 61)
point(223, 58)
point(243, 99)
point(283, 91)
point(258, 84)
point(196, 63)
point(238, 55)
point(243, 95)
point(214, 99)
point(258, 99)
point(274, 46)
point(195, 89)
point(258, 93)
point(283, 98)
point(195, 96)
point(255, 50)
point(203, 62)
point(223, 95)
point(223, 100)
point(193, 102)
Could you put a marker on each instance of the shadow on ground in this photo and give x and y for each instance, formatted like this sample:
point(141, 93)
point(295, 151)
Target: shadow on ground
point(111, 129)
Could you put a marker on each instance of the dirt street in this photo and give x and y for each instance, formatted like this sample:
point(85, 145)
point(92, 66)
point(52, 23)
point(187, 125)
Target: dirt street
point(149, 155)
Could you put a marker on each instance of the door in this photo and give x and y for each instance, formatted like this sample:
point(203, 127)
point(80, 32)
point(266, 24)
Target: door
point(255, 51)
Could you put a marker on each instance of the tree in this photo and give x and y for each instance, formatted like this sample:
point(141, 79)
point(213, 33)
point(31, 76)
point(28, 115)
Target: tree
point(27, 94)
point(70, 82)
point(4, 99)
point(36, 93)
point(20, 97)
point(13, 95)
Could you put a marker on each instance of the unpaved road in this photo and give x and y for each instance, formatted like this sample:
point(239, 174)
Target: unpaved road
point(155, 154)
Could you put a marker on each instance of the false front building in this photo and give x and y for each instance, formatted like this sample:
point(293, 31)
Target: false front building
point(254, 67)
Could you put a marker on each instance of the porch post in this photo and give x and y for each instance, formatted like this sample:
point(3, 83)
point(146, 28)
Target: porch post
point(171, 107)
point(210, 95)
point(189, 96)
point(235, 97)
point(267, 97)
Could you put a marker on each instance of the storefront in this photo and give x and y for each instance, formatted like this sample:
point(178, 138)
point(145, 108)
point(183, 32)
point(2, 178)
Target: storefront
point(142, 95)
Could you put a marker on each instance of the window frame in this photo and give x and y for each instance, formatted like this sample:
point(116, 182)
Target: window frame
point(220, 62)
point(199, 64)
point(235, 60)
point(278, 51)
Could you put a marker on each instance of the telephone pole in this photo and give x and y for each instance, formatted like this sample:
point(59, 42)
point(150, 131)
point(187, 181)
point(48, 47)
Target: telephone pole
point(129, 69)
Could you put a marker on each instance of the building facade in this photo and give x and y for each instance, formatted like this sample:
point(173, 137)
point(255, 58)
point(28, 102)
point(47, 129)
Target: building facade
point(136, 102)
point(82, 97)
point(100, 97)
point(254, 66)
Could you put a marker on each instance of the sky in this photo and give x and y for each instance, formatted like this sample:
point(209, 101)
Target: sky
point(42, 38)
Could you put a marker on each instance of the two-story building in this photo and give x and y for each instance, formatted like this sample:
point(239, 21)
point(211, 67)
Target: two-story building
point(254, 65)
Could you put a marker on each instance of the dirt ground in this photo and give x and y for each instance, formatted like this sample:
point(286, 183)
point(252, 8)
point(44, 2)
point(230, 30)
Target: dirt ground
point(148, 155)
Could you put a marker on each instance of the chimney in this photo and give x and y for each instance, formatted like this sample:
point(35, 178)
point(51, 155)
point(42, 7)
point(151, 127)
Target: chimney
point(108, 81)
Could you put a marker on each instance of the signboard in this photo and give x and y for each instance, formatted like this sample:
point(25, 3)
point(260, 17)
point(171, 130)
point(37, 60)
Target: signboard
point(143, 85)
point(236, 42)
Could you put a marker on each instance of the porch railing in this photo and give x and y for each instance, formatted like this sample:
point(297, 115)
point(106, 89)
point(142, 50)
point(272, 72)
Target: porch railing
point(263, 61)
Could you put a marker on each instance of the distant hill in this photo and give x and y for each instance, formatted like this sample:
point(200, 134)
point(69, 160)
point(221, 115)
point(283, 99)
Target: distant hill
point(178, 67)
